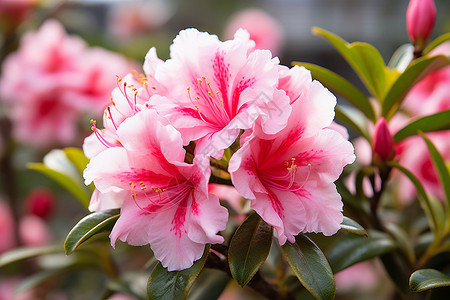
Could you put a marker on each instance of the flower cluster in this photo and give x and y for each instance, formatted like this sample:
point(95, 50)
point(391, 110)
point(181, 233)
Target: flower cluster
point(51, 80)
point(162, 128)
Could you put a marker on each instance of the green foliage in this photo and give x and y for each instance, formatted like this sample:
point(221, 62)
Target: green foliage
point(174, 285)
point(425, 279)
point(311, 267)
point(89, 226)
point(353, 227)
point(19, 254)
point(435, 122)
point(249, 248)
point(352, 249)
point(439, 40)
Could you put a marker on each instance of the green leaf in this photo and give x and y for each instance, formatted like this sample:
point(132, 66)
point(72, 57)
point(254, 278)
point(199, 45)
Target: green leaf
point(209, 285)
point(364, 59)
point(403, 55)
point(341, 86)
point(77, 158)
point(89, 226)
point(425, 279)
point(352, 249)
point(353, 227)
point(311, 267)
point(175, 285)
point(403, 241)
point(19, 254)
point(415, 72)
point(249, 248)
point(349, 119)
point(436, 42)
point(430, 210)
point(65, 181)
point(444, 176)
point(435, 122)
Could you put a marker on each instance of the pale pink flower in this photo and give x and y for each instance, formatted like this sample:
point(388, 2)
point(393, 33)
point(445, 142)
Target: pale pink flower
point(122, 297)
point(7, 236)
point(363, 276)
point(51, 80)
point(34, 231)
point(8, 290)
point(168, 205)
point(216, 88)
point(289, 176)
point(264, 29)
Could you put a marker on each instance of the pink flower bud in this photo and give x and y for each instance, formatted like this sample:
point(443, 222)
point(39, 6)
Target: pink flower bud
point(40, 202)
point(420, 18)
point(383, 143)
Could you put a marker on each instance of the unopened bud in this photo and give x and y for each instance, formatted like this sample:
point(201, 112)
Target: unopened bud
point(420, 17)
point(383, 143)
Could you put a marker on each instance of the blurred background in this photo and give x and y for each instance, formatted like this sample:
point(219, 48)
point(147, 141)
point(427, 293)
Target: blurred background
point(131, 28)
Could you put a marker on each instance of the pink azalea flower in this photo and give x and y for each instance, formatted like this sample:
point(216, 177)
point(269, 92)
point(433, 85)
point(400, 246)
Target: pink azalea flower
point(168, 205)
point(51, 80)
point(7, 237)
point(221, 88)
point(264, 29)
point(289, 176)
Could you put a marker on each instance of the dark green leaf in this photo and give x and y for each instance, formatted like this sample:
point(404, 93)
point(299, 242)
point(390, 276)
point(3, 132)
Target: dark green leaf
point(436, 42)
point(348, 118)
point(341, 86)
point(89, 226)
point(415, 72)
point(435, 122)
point(425, 279)
point(174, 285)
point(352, 249)
point(65, 181)
point(311, 267)
point(353, 227)
point(249, 248)
point(19, 254)
point(364, 59)
point(209, 285)
point(403, 241)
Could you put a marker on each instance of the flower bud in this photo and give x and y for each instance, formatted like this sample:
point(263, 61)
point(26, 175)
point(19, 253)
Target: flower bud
point(420, 17)
point(383, 143)
point(40, 202)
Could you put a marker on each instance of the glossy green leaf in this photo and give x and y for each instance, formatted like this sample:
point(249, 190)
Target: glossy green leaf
point(77, 158)
point(175, 285)
point(209, 285)
point(89, 226)
point(65, 181)
point(364, 59)
point(415, 72)
point(435, 122)
point(425, 279)
point(436, 42)
point(353, 227)
point(311, 267)
point(341, 86)
point(403, 241)
point(352, 249)
point(444, 175)
point(430, 210)
point(249, 248)
point(19, 254)
point(348, 118)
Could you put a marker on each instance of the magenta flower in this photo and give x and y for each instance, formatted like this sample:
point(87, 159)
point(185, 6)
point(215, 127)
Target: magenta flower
point(215, 89)
point(420, 17)
point(167, 203)
point(383, 143)
point(289, 176)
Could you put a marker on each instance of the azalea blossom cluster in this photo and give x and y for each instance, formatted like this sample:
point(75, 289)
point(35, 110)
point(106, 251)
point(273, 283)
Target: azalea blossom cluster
point(163, 128)
point(52, 80)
